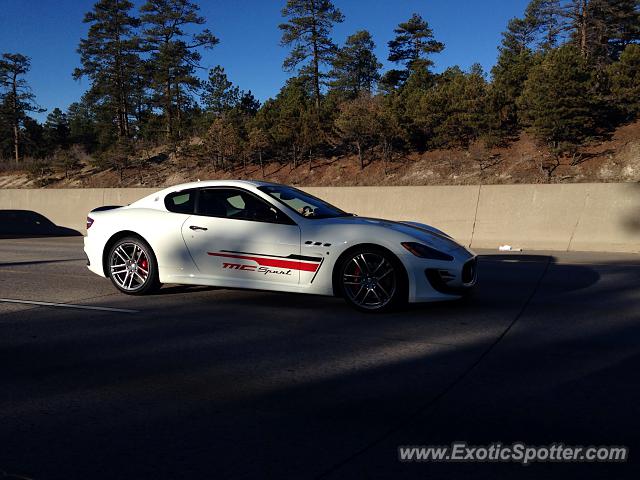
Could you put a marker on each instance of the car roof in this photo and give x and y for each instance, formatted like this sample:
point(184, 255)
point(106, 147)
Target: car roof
point(220, 183)
point(151, 201)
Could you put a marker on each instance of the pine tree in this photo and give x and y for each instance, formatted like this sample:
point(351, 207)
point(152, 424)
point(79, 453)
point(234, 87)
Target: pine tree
point(355, 66)
point(66, 160)
point(248, 104)
point(413, 45)
point(538, 30)
point(6, 130)
point(56, 130)
point(603, 28)
point(82, 129)
point(557, 102)
point(625, 81)
point(308, 31)
point(519, 36)
point(16, 95)
point(453, 112)
point(284, 117)
point(223, 142)
point(219, 93)
point(580, 15)
point(622, 20)
point(389, 130)
point(33, 144)
point(259, 141)
point(174, 55)
point(509, 74)
point(357, 123)
point(109, 58)
point(542, 18)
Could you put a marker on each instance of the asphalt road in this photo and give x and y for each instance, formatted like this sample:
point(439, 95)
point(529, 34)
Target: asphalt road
point(214, 383)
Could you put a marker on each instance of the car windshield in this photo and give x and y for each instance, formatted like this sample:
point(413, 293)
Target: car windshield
point(304, 204)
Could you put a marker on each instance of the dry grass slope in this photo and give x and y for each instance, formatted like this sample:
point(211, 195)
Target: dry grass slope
point(616, 159)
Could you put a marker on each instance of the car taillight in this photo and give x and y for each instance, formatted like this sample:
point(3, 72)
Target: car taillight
point(89, 222)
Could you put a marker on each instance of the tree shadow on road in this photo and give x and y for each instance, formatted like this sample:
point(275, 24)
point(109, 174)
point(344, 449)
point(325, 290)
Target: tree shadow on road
point(310, 387)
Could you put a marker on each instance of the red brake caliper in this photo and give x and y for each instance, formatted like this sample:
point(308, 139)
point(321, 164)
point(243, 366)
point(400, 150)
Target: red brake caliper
point(144, 264)
point(356, 273)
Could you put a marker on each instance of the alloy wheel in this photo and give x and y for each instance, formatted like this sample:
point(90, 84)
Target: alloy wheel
point(369, 281)
point(129, 266)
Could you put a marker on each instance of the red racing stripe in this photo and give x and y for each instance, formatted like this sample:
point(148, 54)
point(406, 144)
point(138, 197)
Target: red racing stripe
point(272, 262)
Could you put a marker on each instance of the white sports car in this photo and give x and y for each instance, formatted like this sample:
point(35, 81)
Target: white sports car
point(259, 235)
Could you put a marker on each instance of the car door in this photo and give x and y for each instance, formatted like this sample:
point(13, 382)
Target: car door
point(237, 239)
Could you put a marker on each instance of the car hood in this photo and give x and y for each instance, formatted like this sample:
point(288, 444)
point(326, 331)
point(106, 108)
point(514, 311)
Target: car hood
point(422, 233)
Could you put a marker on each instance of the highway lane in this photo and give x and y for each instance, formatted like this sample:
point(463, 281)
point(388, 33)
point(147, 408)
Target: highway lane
point(214, 383)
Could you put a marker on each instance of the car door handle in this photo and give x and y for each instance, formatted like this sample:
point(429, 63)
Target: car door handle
point(195, 227)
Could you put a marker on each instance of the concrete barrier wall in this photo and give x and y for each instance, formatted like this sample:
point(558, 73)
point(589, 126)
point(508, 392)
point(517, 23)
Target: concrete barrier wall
point(587, 217)
point(68, 207)
point(560, 217)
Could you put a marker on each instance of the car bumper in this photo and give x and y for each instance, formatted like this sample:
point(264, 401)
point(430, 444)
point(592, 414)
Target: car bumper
point(432, 281)
point(94, 257)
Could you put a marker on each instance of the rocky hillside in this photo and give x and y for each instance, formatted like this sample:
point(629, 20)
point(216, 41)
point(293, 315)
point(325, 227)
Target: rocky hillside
point(615, 160)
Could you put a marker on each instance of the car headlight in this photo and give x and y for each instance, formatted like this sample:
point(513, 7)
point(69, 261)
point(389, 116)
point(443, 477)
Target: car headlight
point(423, 251)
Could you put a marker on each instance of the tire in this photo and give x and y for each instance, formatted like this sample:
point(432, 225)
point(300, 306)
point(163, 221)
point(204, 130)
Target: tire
point(372, 280)
point(132, 267)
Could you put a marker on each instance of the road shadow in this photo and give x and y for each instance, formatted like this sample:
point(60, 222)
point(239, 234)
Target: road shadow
point(180, 289)
point(27, 223)
point(37, 262)
point(574, 277)
point(311, 387)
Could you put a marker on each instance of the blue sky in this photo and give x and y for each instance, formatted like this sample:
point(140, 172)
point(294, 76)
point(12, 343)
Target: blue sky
point(48, 31)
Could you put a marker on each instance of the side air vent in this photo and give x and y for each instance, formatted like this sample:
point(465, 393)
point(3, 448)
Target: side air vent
point(316, 244)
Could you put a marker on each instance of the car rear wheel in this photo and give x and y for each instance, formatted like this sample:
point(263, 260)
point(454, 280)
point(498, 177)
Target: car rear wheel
point(132, 267)
point(372, 280)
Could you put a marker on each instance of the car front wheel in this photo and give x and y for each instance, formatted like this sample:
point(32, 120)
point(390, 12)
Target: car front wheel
point(132, 266)
point(372, 280)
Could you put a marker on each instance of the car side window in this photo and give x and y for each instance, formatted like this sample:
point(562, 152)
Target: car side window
point(181, 202)
point(238, 205)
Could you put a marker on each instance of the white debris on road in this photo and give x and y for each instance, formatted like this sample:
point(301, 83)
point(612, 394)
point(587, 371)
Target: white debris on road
point(508, 248)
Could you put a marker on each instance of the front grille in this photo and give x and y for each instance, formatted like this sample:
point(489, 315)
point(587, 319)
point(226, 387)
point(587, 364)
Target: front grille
point(469, 271)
